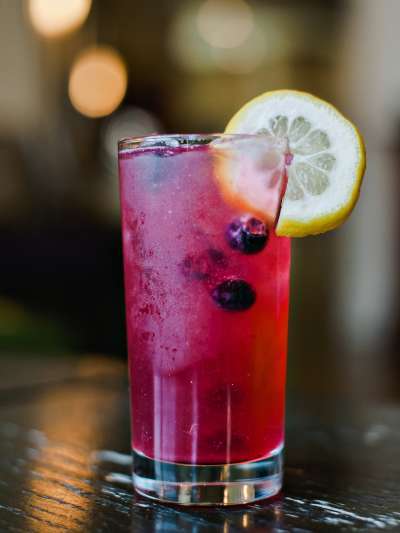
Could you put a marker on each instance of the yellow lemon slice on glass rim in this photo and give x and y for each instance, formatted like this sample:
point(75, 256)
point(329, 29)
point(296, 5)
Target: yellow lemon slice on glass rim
point(326, 154)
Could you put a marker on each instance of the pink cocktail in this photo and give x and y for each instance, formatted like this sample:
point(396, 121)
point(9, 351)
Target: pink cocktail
point(207, 292)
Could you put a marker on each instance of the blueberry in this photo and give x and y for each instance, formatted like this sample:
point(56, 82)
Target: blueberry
point(202, 266)
point(234, 295)
point(217, 257)
point(193, 267)
point(247, 234)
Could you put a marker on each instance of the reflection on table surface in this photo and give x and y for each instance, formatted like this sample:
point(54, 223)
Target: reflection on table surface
point(65, 459)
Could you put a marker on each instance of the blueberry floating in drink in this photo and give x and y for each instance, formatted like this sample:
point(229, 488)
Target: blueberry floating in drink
point(196, 268)
point(217, 257)
point(201, 267)
point(247, 234)
point(234, 295)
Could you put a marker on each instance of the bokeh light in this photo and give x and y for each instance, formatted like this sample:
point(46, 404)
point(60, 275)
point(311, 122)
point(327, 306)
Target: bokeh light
point(129, 121)
point(53, 18)
point(97, 82)
point(225, 23)
point(185, 45)
point(268, 42)
point(192, 52)
point(243, 59)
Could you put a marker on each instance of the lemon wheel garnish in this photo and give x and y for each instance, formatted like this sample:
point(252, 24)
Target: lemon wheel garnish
point(327, 158)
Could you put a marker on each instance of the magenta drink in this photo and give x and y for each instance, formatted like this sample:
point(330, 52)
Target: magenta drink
point(207, 292)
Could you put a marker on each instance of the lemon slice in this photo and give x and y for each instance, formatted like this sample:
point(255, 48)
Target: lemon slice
point(326, 156)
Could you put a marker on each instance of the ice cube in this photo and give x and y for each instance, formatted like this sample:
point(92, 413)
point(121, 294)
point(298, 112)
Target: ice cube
point(250, 170)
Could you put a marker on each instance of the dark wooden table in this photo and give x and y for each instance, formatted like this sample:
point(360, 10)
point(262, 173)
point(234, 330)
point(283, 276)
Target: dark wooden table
point(64, 427)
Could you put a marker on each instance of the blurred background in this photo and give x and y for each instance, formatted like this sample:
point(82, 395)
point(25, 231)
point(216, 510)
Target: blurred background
point(77, 75)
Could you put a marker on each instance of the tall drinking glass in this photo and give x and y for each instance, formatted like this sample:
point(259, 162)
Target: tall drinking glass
point(207, 292)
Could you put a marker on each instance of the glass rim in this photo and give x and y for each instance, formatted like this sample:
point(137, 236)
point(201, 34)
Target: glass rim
point(185, 139)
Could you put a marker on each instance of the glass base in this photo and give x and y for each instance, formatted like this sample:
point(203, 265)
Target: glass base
point(226, 484)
